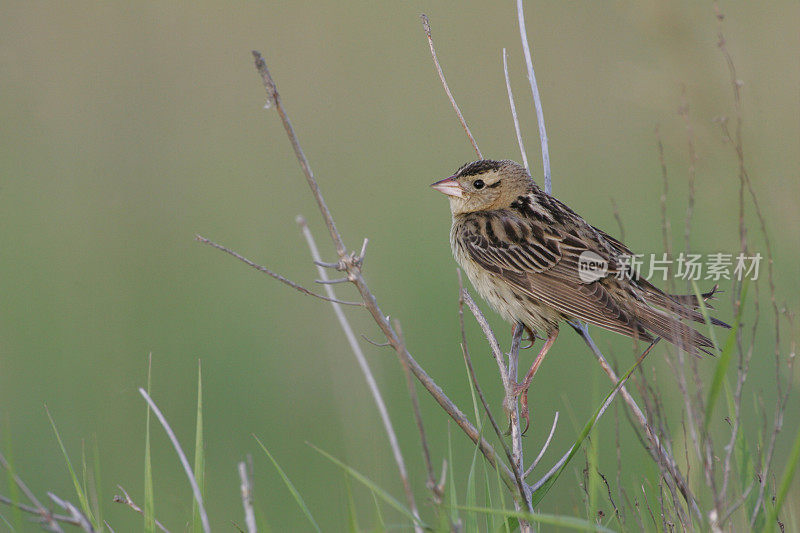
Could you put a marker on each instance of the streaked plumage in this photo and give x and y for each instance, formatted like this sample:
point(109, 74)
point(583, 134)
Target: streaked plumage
point(521, 247)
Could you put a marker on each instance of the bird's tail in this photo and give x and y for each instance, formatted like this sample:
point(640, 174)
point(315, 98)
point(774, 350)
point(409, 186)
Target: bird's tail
point(661, 313)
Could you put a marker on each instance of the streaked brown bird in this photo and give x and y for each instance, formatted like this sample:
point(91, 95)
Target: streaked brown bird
point(537, 262)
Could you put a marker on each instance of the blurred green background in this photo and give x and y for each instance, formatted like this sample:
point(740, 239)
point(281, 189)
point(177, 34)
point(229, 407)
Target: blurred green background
point(128, 128)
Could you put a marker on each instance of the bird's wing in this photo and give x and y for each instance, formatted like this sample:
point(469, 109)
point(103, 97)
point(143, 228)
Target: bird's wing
point(542, 262)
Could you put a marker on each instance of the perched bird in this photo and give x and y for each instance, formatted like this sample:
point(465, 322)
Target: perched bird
point(537, 262)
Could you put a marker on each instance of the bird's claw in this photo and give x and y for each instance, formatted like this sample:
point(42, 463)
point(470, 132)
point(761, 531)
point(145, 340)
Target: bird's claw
point(530, 339)
point(518, 390)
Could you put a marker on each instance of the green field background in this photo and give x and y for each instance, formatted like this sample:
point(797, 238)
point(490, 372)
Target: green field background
point(127, 128)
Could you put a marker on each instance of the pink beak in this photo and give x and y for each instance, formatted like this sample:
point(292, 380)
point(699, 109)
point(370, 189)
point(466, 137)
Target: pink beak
point(449, 186)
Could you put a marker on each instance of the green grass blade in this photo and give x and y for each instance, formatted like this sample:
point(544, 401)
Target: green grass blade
point(506, 526)
point(289, 485)
point(199, 454)
point(381, 526)
point(568, 522)
point(451, 493)
point(149, 496)
point(471, 519)
point(786, 481)
point(478, 421)
point(82, 499)
point(364, 480)
point(98, 486)
point(489, 499)
point(352, 514)
point(721, 370)
point(541, 491)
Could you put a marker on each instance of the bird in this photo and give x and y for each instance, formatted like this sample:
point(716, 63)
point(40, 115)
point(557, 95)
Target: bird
point(538, 263)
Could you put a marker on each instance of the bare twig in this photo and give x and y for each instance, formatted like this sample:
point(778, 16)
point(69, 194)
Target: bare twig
point(270, 273)
point(436, 489)
point(684, 112)
point(80, 519)
point(372, 342)
point(352, 265)
point(515, 456)
point(544, 448)
point(523, 34)
point(51, 521)
point(126, 500)
point(426, 25)
point(275, 98)
point(514, 110)
point(662, 456)
point(365, 369)
point(487, 331)
point(618, 387)
point(46, 515)
point(247, 497)
point(198, 496)
point(618, 218)
point(331, 281)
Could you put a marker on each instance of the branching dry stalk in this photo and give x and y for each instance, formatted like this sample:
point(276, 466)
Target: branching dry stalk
point(47, 517)
point(515, 457)
point(365, 369)
point(125, 499)
point(351, 265)
point(656, 432)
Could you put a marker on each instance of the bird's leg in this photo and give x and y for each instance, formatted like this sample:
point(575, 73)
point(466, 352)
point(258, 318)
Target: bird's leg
point(522, 388)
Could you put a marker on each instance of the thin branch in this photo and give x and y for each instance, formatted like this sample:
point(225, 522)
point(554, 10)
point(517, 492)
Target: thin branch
point(487, 331)
point(352, 265)
point(544, 448)
point(51, 521)
point(247, 498)
point(275, 98)
point(663, 457)
point(46, 515)
point(126, 500)
point(365, 369)
point(80, 519)
point(198, 496)
point(436, 489)
point(372, 342)
point(426, 25)
point(618, 386)
point(515, 459)
point(265, 270)
point(331, 281)
point(514, 110)
point(523, 34)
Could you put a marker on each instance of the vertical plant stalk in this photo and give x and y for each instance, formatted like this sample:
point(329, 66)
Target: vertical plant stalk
point(247, 498)
point(365, 369)
point(537, 102)
point(514, 111)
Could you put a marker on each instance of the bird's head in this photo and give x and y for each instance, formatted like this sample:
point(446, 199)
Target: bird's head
point(485, 184)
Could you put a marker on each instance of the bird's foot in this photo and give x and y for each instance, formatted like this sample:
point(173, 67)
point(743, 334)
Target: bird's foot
point(517, 391)
point(530, 339)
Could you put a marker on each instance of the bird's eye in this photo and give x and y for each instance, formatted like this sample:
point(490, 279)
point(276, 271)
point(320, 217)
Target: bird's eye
point(478, 184)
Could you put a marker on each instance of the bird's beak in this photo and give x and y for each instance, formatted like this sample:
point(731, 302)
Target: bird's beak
point(449, 186)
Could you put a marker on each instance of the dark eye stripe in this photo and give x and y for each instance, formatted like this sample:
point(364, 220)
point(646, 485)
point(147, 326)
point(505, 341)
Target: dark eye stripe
point(495, 184)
